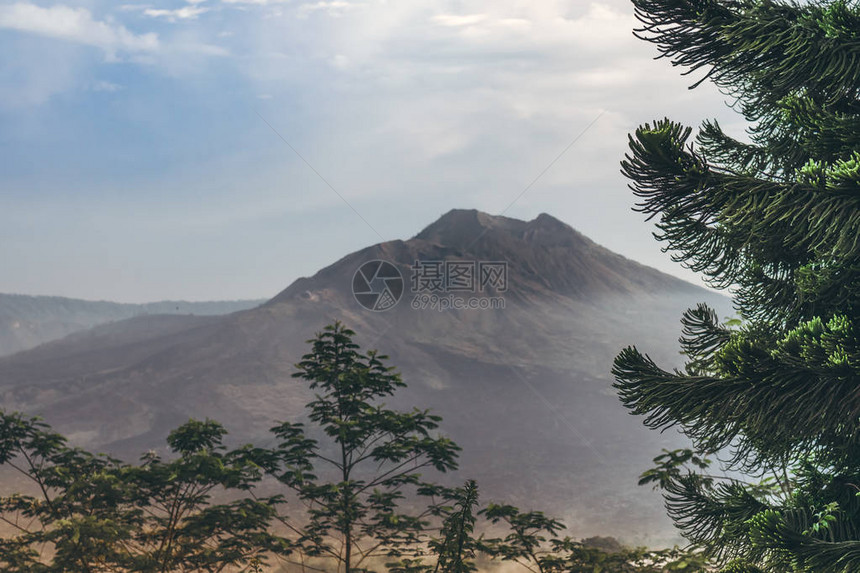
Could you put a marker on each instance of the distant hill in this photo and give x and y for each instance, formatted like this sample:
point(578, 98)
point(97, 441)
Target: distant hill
point(28, 321)
point(524, 389)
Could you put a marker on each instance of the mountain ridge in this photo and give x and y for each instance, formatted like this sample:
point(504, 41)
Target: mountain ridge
point(26, 321)
point(524, 388)
point(469, 232)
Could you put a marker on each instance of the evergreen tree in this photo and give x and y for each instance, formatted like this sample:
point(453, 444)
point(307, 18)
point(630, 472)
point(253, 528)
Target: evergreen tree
point(777, 219)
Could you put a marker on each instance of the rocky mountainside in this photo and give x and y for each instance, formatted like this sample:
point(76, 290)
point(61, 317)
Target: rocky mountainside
point(522, 380)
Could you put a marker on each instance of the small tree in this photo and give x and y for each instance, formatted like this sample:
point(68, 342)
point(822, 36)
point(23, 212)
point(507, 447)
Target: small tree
point(95, 514)
point(533, 543)
point(778, 220)
point(178, 528)
point(456, 547)
point(353, 484)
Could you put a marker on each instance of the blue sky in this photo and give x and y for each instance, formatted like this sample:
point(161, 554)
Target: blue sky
point(137, 161)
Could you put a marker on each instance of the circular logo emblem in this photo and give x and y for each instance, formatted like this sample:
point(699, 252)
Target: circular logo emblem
point(377, 285)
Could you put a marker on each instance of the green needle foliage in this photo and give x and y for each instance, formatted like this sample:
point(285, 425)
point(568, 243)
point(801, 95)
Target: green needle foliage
point(777, 219)
point(92, 513)
point(369, 457)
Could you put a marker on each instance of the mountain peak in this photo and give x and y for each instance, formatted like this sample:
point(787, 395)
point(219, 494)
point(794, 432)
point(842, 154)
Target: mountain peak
point(464, 228)
point(544, 257)
point(547, 220)
point(461, 227)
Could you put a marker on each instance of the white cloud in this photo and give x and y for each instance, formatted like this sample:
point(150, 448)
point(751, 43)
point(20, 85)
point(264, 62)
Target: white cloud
point(75, 25)
point(184, 13)
point(255, 2)
point(37, 73)
point(455, 20)
point(40, 75)
point(106, 86)
point(463, 102)
point(340, 61)
point(540, 25)
point(134, 7)
point(469, 95)
point(197, 48)
point(333, 8)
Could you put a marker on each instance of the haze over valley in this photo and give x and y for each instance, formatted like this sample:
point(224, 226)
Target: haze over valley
point(524, 389)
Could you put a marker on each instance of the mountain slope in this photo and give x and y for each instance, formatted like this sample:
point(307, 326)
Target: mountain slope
point(525, 389)
point(28, 321)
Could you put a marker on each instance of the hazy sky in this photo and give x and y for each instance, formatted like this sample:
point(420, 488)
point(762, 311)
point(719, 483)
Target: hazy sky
point(137, 162)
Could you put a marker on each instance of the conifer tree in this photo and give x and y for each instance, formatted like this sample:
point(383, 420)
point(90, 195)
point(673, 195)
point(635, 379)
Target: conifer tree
point(776, 219)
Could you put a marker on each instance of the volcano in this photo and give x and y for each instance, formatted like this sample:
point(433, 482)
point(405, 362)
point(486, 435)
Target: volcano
point(506, 328)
